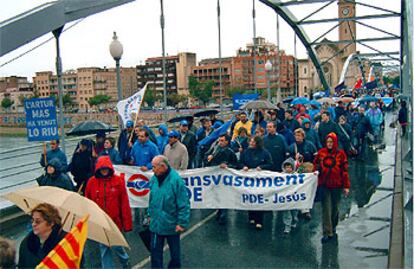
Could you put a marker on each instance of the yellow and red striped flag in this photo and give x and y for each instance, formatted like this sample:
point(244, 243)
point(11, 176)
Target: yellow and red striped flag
point(68, 253)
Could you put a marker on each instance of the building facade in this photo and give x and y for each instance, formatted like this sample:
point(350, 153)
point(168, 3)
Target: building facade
point(238, 71)
point(282, 75)
point(178, 69)
point(15, 82)
point(87, 82)
point(209, 70)
point(16, 89)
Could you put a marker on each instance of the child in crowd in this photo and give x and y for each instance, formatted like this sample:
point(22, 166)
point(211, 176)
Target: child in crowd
point(290, 217)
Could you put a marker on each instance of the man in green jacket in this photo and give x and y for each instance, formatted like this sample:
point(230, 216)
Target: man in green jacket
point(169, 212)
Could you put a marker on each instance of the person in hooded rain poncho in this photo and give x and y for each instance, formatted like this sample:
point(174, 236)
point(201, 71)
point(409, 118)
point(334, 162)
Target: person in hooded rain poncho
point(162, 139)
point(55, 176)
point(82, 165)
point(108, 191)
point(332, 165)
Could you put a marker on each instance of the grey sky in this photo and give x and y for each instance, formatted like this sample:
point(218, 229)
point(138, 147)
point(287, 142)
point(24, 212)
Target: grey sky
point(191, 25)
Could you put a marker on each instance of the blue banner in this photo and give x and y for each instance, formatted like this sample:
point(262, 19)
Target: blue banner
point(241, 99)
point(41, 123)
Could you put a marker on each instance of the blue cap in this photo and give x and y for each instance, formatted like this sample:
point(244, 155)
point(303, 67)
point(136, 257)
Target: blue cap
point(184, 122)
point(174, 133)
point(129, 124)
point(306, 120)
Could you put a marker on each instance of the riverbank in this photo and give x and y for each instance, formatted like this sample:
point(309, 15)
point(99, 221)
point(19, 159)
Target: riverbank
point(13, 131)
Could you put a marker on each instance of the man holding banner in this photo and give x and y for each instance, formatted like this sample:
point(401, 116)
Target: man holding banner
point(223, 156)
point(54, 153)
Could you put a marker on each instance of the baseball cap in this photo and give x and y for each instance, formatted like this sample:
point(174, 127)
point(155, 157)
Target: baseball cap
point(184, 122)
point(174, 133)
point(129, 124)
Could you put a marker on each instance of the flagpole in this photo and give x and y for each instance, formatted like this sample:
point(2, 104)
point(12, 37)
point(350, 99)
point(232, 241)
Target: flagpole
point(135, 124)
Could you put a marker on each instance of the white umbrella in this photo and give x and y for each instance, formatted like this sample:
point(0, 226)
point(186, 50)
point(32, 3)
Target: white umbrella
point(72, 208)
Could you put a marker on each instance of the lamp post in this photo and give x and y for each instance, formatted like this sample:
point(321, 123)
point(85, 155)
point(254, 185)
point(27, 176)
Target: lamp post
point(268, 68)
point(57, 33)
point(116, 50)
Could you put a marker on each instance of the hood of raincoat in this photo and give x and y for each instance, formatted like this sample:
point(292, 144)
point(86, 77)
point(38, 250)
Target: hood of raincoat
point(305, 120)
point(57, 164)
point(164, 128)
point(103, 162)
point(290, 161)
point(335, 140)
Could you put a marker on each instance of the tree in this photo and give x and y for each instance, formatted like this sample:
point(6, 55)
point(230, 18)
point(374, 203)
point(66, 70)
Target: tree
point(67, 100)
point(387, 80)
point(6, 103)
point(233, 90)
point(174, 99)
point(200, 90)
point(206, 92)
point(150, 97)
point(99, 99)
point(193, 85)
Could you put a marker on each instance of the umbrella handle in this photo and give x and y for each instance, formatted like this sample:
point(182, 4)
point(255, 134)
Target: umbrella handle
point(80, 188)
point(66, 218)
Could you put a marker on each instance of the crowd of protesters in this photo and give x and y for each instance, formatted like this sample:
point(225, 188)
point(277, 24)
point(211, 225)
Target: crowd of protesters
point(290, 139)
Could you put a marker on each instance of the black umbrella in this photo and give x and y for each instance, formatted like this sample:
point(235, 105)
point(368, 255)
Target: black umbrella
point(287, 100)
point(206, 113)
point(90, 127)
point(180, 118)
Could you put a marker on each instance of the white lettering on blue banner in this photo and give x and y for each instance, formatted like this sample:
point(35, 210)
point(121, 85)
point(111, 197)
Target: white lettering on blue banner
point(41, 123)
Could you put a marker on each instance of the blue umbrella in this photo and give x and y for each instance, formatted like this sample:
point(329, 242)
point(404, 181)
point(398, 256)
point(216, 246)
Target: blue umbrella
point(387, 100)
point(300, 101)
point(368, 98)
point(318, 95)
point(314, 103)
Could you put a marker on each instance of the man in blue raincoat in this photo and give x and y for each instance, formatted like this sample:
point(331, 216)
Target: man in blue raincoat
point(169, 212)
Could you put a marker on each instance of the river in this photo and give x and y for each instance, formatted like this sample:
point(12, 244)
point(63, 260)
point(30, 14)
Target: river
point(14, 142)
point(19, 163)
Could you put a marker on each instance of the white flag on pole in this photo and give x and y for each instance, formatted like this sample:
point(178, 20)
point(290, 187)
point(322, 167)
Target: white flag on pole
point(130, 105)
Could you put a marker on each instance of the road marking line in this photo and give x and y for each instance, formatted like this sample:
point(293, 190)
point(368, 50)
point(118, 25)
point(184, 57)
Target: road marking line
point(184, 235)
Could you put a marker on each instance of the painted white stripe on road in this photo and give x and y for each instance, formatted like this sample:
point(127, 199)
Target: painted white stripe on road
point(142, 263)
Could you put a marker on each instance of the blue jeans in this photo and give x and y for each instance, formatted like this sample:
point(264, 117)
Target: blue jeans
point(157, 245)
point(106, 256)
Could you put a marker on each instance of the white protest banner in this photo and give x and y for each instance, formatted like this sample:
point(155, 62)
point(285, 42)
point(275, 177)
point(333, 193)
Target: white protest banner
point(130, 105)
point(213, 187)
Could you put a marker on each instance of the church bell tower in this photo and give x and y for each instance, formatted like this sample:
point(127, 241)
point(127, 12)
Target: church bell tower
point(347, 28)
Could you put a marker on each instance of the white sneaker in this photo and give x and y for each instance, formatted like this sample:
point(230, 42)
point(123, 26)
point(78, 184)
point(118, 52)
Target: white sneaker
point(252, 221)
point(259, 226)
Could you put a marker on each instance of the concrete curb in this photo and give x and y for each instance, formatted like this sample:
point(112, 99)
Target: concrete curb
point(396, 248)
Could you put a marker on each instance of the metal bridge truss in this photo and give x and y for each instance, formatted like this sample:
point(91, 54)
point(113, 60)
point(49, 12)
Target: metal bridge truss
point(369, 45)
